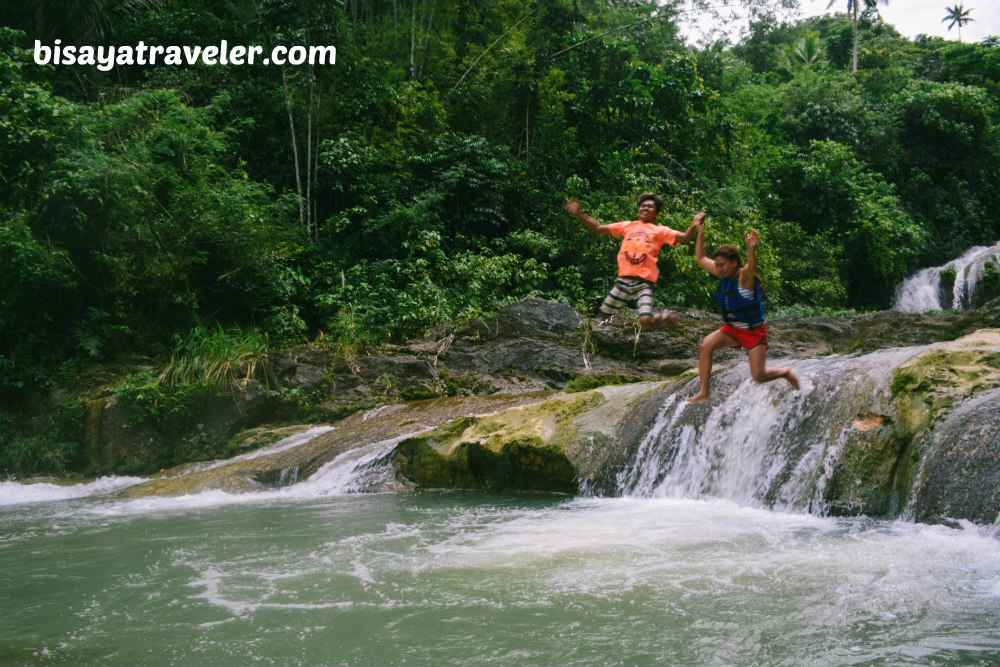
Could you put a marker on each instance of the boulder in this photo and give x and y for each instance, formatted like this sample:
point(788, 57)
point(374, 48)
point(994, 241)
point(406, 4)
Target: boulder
point(287, 462)
point(962, 470)
point(561, 444)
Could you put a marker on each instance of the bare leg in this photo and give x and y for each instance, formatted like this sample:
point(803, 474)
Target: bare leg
point(717, 340)
point(761, 373)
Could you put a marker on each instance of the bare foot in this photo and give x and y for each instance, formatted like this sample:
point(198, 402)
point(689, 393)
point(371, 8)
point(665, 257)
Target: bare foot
point(668, 319)
point(662, 318)
point(792, 378)
point(700, 397)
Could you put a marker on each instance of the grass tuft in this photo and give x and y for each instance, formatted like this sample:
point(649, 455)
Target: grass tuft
point(227, 359)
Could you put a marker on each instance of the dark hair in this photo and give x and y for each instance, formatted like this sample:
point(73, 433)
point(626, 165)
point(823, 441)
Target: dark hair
point(657, 202)
point(729, 252)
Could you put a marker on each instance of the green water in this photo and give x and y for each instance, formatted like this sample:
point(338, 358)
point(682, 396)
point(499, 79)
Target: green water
point(473, 579)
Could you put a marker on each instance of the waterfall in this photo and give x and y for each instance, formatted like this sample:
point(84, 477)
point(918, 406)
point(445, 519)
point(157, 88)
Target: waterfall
point(761, 445)
point(846, 442)
point(365, 469)
point(948, 287)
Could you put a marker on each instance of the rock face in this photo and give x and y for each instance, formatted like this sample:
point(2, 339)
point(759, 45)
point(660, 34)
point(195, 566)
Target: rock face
point(561, 444)
point(962, 472)
point(897, 416)
point(912, 439)
point(950, 396)
point(270, 468)
point(117, 441)
point(915, 437)
point(538, 345)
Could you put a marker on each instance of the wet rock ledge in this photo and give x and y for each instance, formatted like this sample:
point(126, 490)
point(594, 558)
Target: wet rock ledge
point(518, 364)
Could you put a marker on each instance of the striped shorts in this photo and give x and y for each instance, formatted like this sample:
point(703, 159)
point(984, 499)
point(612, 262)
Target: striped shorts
point(627, 290)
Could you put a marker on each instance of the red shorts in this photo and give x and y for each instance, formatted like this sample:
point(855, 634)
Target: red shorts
point(748, 338)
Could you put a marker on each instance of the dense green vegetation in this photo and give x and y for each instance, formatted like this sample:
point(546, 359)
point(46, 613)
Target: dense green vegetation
point(422, 177)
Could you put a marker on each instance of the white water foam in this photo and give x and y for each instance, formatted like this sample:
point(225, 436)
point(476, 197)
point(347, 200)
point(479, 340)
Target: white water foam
point(282, 445)
point(760, 445)
point(364, 469)
point(921, 292)
point(15, 493)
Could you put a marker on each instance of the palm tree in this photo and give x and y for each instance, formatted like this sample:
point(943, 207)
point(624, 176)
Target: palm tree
point(959, 16)
point(806, 51)
point(852, 11)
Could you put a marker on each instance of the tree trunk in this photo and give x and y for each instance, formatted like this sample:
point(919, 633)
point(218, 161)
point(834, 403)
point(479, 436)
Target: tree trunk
point(413, 40)
point(295, 148)
point(854, 65)
point(309, 163)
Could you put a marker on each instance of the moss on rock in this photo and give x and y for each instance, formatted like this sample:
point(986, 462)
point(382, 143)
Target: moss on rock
point(873, 473)
point(877, 467)
point(525, 464)
point(553, 445)
point(931, 382)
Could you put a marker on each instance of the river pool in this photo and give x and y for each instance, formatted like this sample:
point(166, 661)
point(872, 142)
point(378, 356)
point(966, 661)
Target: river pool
point(455, 578)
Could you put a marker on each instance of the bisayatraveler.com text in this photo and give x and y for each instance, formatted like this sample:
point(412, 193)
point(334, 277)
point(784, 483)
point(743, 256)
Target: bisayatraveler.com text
point(106, 58)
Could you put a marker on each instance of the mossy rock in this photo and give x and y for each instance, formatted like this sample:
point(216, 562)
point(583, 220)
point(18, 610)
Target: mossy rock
point(962, 474)
point(879, 464)
point(931, 382)
point(874, 472)
point(525, 464)
point(554, 445)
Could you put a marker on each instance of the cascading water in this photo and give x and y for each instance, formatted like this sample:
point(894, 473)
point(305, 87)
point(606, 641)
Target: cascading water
point(760, 445)
point(365, 469)
point(927, 290)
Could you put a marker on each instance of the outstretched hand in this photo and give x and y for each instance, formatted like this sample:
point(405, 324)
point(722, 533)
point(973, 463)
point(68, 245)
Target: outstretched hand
point(699, 219)
point(572, 207)
point(753, 238)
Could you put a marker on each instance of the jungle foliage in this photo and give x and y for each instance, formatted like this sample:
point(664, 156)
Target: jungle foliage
point(422, 178)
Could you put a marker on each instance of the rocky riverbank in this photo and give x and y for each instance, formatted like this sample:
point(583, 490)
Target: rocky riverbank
point(887, 453)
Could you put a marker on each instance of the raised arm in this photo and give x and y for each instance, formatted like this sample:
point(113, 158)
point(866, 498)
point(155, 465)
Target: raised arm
point(704, 261)
point(749, 269)
point(689, 235)
point(573, 208)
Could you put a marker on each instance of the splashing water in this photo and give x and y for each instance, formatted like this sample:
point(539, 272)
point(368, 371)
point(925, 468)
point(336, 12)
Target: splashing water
point(482, 579)
point(686, 569)
point(759, 445)
point(15, 493)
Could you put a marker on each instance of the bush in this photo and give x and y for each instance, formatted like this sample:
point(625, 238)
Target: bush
point(57, 450)
point(223, 359)
point(205, 362)
point(585, 382)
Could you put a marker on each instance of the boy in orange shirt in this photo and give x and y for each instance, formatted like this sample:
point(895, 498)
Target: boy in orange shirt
point(637, 270)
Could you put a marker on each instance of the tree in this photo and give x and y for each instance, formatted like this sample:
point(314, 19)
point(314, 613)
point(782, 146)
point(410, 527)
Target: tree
point(830, 194)
point(959, 16)
point(82, 22)
point(806, 51)
point(870, 6)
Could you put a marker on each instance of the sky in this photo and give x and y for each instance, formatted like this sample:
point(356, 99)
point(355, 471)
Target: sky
point(909, 17)
point(915, 17)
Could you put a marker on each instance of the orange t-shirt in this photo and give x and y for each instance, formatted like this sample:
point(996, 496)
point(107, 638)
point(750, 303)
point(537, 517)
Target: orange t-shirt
point(641, 247)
